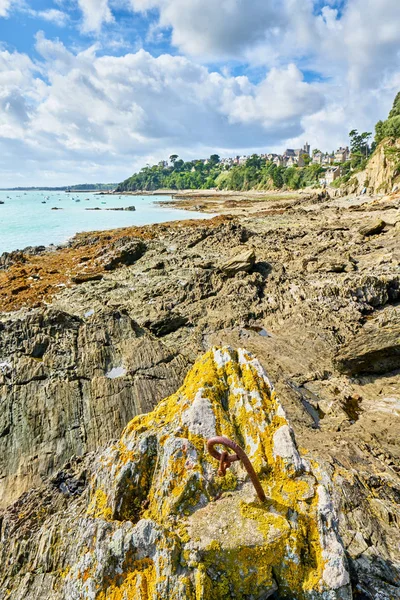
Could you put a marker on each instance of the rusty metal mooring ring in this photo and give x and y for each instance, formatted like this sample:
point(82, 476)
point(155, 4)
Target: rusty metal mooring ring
point(225, 461)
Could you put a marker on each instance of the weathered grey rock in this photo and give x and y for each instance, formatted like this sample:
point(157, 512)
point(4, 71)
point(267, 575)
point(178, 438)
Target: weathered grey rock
point(84, 277)
point(333, 266)
point(373, 350)
point(129, 208)
point(59, 396)
point(165, 322)
point(125, 254)
point(372, 228)
point(144, 518)
point(60, 386)
point(241, 262)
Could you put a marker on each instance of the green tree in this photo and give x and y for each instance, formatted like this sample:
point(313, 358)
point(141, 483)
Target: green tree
point(359, 146)
point(214, 159)
point(306, 158)
point(179, 165)
point(395, 112)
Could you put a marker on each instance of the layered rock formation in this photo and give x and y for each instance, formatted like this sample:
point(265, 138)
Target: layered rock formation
point(149, 518)
point(381, 173)
point(69, 385)
point(300, 285)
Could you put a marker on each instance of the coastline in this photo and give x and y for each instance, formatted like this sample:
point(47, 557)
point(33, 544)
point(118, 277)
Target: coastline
point(31, 277)
point(102, 330)
point(237, 203)
point(34, 275)
point(40, 219)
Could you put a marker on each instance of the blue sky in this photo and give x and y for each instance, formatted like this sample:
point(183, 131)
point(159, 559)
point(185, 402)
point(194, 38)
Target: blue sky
point(91, 90)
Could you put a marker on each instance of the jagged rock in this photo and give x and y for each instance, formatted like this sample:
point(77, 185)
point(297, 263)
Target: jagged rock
point(85, 277)
point(69, 388)
point(242, 262)
point(7, 259)
point(373, 350)
point(129, 208)
point(152, 524)
point(125, 254)
point(372, 228)
point(69, 385)
point(165, 322)
point(333, 266)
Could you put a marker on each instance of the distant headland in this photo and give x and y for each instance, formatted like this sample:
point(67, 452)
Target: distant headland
point(84, 187)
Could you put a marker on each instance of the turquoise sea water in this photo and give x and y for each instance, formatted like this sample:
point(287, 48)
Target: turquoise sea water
point(25, 221)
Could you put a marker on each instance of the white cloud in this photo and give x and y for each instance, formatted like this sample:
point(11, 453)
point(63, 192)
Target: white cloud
point(18, 91)
point(95, 13)
point(136, 100)
point(360, 43)
point(53, 15)
point(280, 98)
point(207, 28)
point(4, 7)
point(370, 40)
point(93, 110)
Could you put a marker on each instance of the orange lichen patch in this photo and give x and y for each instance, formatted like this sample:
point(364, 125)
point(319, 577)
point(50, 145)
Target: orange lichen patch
point(35, 279)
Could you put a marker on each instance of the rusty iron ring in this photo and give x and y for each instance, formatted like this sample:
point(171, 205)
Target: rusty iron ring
point(225, 461)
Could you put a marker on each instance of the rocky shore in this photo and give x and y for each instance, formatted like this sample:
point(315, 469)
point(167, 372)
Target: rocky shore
point(99, 332)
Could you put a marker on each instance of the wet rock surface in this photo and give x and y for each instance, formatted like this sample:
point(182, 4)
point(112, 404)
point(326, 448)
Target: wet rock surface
point(318, 305)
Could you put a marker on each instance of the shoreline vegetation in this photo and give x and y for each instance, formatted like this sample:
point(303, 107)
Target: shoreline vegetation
point(256, 174)
point(266, 172)
point(294, 170)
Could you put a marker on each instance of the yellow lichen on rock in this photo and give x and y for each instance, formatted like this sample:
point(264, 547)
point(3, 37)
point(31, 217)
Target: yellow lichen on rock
point(210, 535)
point(98, 507)
point(139, 584)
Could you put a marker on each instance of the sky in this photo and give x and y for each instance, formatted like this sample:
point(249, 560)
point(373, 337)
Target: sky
point(93, 90)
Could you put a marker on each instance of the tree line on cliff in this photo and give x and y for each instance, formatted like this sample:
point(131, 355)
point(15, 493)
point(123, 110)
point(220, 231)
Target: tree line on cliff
point(257, 172)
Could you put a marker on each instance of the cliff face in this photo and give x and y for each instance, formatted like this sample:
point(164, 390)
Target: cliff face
point(147, 520)
point(382, 172)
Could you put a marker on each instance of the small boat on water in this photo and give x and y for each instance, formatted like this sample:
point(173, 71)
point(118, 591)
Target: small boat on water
point(44, 202)
point(1, 202)
point(77, 200)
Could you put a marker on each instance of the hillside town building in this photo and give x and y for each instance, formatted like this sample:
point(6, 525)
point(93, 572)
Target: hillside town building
point(299, 158)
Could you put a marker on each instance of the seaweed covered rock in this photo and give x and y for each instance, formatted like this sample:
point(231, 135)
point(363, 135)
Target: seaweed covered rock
point(156, 521)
